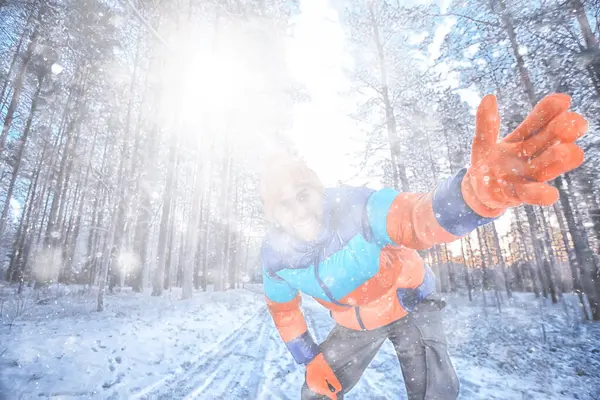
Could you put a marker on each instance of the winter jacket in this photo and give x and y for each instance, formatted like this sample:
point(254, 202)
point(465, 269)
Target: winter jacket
point(364, 267)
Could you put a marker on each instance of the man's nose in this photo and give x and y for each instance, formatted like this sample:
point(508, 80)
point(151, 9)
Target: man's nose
point(299, 210)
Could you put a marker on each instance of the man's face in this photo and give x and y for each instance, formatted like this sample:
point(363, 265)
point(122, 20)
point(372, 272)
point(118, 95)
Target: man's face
point(299, 211)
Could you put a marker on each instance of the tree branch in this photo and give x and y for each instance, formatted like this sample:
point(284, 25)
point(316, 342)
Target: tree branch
point(477, 21)
point(147, 24)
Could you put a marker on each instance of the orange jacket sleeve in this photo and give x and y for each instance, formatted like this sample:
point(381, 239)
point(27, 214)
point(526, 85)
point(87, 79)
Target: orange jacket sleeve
point(422, 220)
point(283, 303)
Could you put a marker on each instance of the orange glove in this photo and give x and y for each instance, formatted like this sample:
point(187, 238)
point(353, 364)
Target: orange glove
point(513, 171)
point(321, 379)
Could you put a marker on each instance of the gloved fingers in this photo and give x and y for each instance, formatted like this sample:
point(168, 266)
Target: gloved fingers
point(536, 193)
point(493, 192)
point(544, 112)
point(555, 161)
point(566, 128)
point(506, 190)
point(487, 127)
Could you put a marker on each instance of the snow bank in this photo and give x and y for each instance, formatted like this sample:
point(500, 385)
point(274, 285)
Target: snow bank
point(224, 346)
point(529, 349)
point(64, 348)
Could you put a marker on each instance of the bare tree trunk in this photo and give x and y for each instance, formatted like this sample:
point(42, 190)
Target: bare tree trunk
point(500, 258)
point(107, 259)
point(144, 213)
point(169, 250)
point(48, 189)
point(550, 266)
point(435, 266)
point(103, 196)
point(52, 237)
point(206, 234)
point(450, 268)
point(529, 260)
point(514, 44)
point(65, 273)
point(585, 258)
point(192, 234)
point(18, 89)
point(594, 213)
point(225, 213)
point(17, 248)
point(144, 200)
point(20, 248)
point(34, 234)
point(79, 215)
point(121, 199)
point(247, 254)
point(16, 57)
point(467, 274)
point(519, 281)
point(565, 237)
point(234, 235)
point(124, 198)
point(157, 287)
point(486, 259)
point(400, 179)
point(199, 242)
point(19, 160)
point(591, 43)
point(538, 248)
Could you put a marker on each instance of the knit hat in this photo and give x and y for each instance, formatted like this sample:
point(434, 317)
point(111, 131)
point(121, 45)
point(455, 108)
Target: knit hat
point(278, 171)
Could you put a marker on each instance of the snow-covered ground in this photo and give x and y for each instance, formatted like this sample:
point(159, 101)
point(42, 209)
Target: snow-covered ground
point(224, 346)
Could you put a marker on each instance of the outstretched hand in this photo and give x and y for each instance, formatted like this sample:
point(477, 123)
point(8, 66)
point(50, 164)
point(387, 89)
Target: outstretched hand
point(514, 170)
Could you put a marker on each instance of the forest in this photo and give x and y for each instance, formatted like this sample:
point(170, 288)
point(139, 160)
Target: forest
point(133, 130)
point(127, 161)
point(112, 174)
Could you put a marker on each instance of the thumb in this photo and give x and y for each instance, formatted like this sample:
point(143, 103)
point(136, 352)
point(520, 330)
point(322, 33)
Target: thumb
point(487, 127)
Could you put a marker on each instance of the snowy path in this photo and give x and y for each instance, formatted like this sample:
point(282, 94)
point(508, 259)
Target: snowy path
point(228, 369)
point(252, 363)
point(224, 345)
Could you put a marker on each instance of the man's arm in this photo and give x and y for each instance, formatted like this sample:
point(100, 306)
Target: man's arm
point(503, 174)
point(283, 303)
point(422, 220)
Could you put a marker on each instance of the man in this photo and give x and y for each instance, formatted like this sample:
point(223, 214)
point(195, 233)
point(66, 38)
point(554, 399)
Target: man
point(354, 249)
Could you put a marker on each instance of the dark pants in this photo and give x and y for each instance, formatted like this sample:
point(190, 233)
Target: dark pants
point(420, 343)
